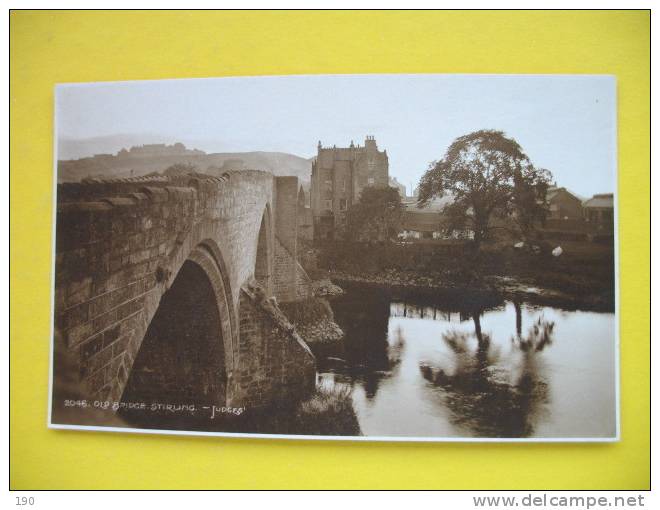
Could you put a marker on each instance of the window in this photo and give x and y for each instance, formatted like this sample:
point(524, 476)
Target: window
point(343, 184)
point(328, 204)
point(370, 181)
point(342, 204)
point(328, 185)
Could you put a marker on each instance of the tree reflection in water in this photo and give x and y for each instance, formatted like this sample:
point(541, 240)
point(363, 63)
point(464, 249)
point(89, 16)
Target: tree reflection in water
point(389, 358)
point(395, 349)
point(491, 400)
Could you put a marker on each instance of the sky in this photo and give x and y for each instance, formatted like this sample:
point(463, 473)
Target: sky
point(564, 123)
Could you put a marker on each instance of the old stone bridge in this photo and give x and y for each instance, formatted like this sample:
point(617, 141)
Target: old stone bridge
point(167, 288)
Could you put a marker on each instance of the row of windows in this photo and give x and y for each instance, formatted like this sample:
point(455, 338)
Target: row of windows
point(343, 204)
point(328, 184)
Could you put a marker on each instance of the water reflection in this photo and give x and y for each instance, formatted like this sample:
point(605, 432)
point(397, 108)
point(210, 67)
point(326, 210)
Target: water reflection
point(511, 371)
point(491, 402)
point(368, 357)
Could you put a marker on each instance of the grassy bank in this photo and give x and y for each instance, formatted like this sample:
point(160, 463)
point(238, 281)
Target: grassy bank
point(327, 412)
point(583, 276)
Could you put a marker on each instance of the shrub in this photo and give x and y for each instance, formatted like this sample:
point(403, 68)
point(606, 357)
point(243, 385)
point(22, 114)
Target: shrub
point(310, 310)
point(329, 412)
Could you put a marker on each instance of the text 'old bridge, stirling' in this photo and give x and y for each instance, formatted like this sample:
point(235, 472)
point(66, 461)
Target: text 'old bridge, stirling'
point(169, 286)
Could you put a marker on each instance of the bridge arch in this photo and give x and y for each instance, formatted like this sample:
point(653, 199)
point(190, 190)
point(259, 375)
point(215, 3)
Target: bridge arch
point(187, 353)
point(121, 244)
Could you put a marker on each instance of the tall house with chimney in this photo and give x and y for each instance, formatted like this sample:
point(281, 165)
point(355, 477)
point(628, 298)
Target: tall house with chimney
point(339, 174)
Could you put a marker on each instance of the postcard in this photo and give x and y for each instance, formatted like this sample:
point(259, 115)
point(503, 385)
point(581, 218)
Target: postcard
point(358, 257)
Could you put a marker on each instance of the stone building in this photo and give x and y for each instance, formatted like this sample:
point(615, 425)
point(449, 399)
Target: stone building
point(430, 221)
point(563, 205)
point(394, 183)
point(599, 212)
point(339, 174)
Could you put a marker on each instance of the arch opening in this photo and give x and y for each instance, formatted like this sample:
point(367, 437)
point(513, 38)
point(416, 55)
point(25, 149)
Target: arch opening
point(182, 357)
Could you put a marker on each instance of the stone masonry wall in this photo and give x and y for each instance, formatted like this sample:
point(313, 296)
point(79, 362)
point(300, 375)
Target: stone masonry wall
point(275, 363)
point(291, 281)
point(286, 227)
point(119, 246)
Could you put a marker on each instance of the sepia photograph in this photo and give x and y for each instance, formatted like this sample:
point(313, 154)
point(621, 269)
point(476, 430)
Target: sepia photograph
point(426, 257)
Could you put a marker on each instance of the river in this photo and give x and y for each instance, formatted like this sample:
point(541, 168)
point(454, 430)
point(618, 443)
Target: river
point(512, 371)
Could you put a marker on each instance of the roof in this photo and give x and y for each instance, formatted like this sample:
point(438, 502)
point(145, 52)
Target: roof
point(553, 191)
point(427, 218)
point(603, 200)
point(435, 205)
point(422, 222)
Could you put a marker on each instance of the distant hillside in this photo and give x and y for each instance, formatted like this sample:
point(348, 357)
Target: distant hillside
point(133, 163)
point(68, 148)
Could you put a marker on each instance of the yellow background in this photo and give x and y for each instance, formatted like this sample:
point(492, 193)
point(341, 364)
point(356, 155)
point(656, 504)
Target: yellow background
point(51, 47)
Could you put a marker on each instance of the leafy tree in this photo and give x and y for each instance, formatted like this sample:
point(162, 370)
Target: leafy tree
point(488, 175)
point(377, 215)
point(528, 207)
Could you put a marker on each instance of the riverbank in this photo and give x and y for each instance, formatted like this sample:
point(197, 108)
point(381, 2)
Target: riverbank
point(491, 291)
point(582, 277)
point(326, 412)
